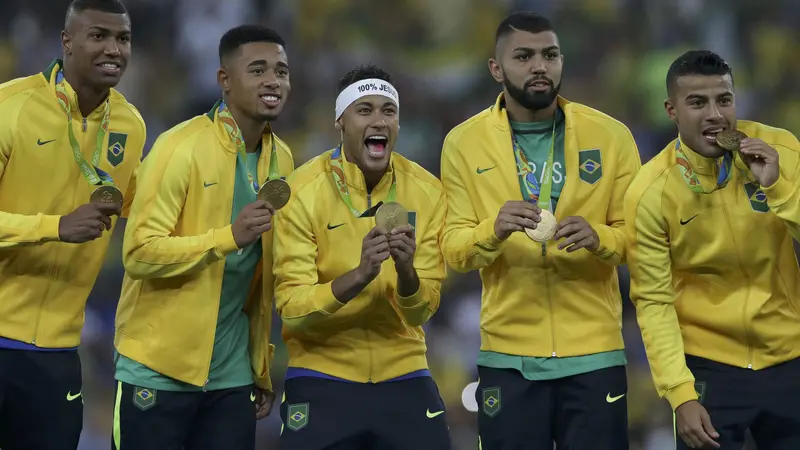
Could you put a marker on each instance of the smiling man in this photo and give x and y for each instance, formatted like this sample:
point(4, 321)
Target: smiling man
point(68, 143)
point(198, 265)
point(535, 185)
point(713, 271)
point(358, 272)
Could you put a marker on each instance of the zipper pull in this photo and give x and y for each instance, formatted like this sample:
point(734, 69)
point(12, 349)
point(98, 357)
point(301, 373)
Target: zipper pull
point(84, 124)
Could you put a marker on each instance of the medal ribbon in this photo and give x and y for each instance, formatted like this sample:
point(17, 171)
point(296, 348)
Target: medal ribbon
point(90, 171)
point(533, 190)
point(225, 116)
point(724, 166)
point(337, 169)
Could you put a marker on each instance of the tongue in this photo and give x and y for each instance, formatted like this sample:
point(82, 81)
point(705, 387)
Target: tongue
point(376, 147)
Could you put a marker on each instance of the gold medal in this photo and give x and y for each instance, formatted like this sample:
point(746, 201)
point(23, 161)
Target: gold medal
point(107, 194)
point(391, 215)
point(545, 229)
point(730, 140)
point(277, 192)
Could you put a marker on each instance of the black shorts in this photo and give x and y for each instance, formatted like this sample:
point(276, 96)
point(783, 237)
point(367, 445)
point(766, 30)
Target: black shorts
point(146, 419)
point(581, 412)
point(325, 414)
point(41, 406)
point(766, 401)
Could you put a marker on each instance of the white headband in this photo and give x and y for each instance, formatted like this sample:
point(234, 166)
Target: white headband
point(371, 86)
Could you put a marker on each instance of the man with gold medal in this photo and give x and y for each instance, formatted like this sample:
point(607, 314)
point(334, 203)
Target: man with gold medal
point(714, 275)
point(358, 271)
point(535, 185)
point(70, 146)
point(193, 322)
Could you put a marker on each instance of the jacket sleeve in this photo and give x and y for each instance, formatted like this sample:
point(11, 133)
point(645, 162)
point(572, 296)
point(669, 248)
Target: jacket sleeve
point(18, 229)
point(612, 233)
point(467, 244)
point(783, 197)
point(149, 249)
point(429, 264)
point(301, 300)
point(652, 293)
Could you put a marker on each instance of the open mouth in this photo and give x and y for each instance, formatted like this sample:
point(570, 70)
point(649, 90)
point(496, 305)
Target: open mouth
point(376, 145)
point(710, 134)
point(270, 100)
point(539, 85)
point(110, 68)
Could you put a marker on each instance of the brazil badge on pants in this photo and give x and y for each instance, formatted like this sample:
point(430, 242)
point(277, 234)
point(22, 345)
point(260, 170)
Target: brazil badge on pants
point(297, 416)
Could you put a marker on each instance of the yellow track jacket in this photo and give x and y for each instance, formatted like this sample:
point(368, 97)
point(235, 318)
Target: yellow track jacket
point(535, 302)
point(174, 252)
point(44, 283)
point(715, 275)
point(378, 335)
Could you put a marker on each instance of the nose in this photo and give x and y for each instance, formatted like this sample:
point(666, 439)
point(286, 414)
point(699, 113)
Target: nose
point(380, 123)
point(270, 80)
point(112, 49)
point(537, 65)
point(714, 112)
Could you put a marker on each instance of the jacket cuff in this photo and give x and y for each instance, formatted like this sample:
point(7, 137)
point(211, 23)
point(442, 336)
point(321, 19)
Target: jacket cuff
point(412, 300)
point(608, 241)
point(324, 300)
point(263, 380)
point(779, 192)
point(48, 228)
point(681, 394)
point(224, 242)
point(485, 237)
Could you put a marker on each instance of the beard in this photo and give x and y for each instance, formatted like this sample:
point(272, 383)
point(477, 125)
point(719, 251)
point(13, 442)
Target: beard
point(532, 101)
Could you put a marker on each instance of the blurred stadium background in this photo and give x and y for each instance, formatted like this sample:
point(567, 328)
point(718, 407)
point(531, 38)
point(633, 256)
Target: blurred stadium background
point(616, 56)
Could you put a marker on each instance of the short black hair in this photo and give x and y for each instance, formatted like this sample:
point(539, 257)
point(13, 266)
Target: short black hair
point(245, 34)
point(522, 21)
point(106, 6)
point(363, 72)
point(696, 62)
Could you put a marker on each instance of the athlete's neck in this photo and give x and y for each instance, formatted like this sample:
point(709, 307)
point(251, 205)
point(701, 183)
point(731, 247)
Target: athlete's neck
point(252, 130)
point(89, 97)
point(519, 113)
point(371, 177)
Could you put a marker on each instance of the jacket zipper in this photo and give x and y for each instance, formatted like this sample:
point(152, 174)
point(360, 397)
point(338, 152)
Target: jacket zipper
point(549, 300)
point(745, 323)
point(366, 328)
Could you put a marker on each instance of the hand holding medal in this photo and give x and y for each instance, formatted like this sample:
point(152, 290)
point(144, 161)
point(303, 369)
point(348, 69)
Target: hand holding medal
point(577, 234)
point(392, 218)
point(762, 159)
point(519, 216)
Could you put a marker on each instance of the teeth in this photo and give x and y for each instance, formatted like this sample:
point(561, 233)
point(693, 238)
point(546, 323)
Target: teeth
point(110, 66)
point(380, 138)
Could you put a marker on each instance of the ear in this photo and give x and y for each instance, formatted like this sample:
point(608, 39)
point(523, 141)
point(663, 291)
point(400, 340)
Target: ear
point(670, 108)
point(223, 80)
point(66, 42)
point(337, 125)
point(496, 70)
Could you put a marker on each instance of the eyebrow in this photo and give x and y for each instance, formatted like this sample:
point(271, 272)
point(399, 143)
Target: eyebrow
point(528, 49)
point(263, 62)
point(366, 103)
point(106, 30)
point(705, 97)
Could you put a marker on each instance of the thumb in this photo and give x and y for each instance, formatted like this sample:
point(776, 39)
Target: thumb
point(705, 419)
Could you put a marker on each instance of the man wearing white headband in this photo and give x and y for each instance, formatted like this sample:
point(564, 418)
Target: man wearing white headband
point(357, 273)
